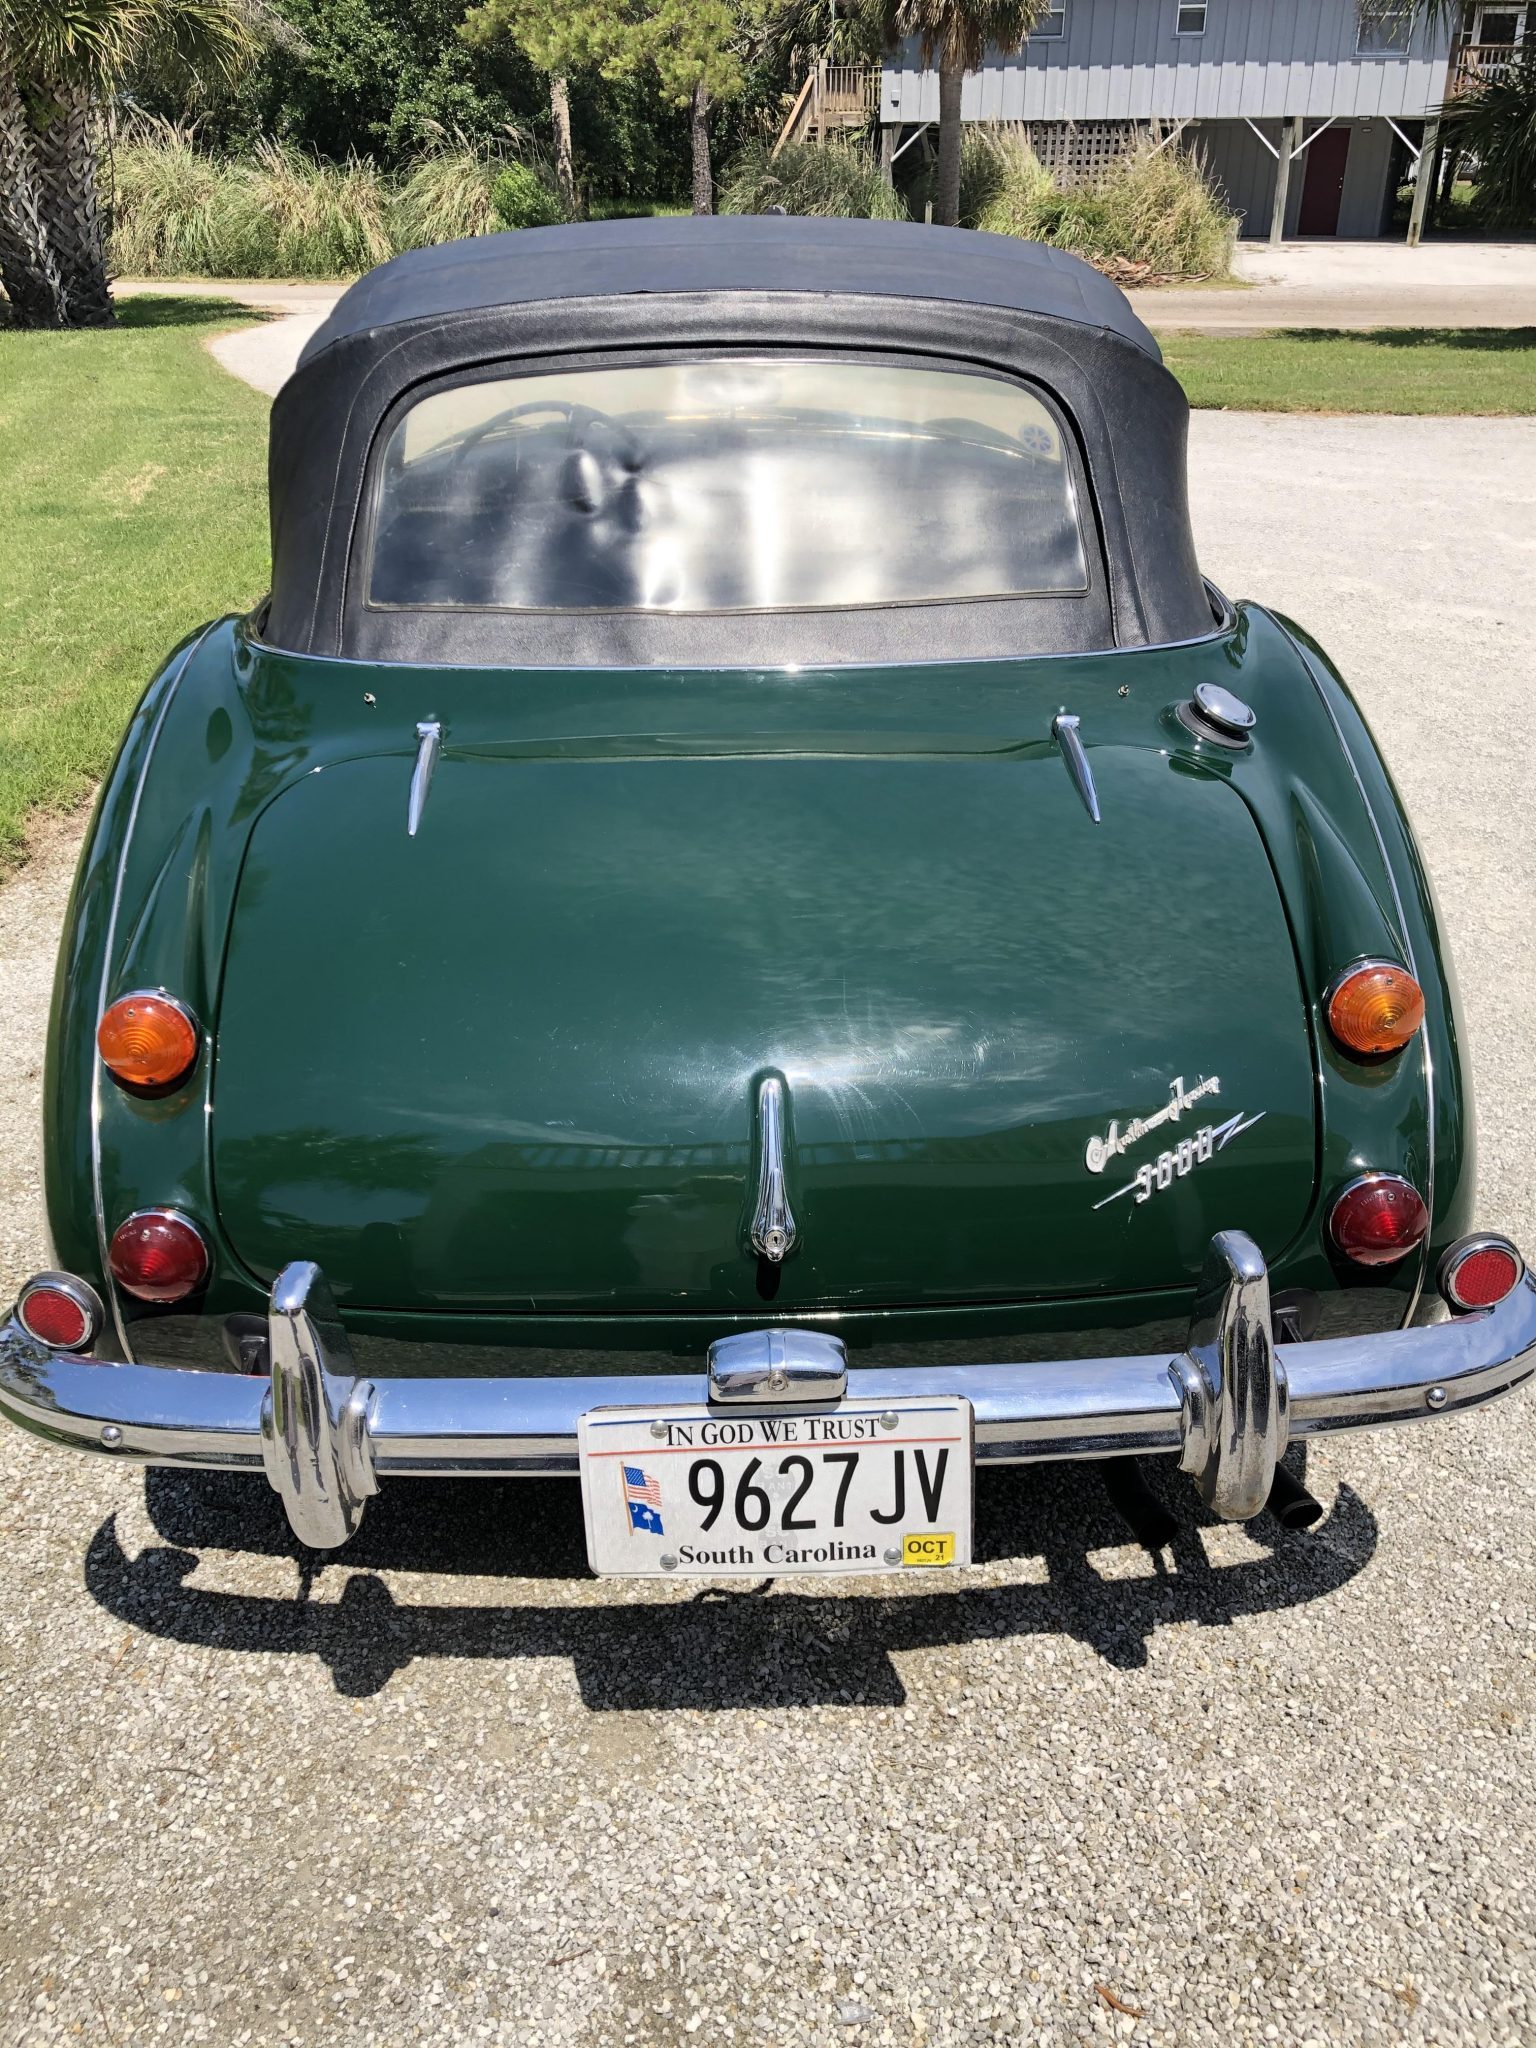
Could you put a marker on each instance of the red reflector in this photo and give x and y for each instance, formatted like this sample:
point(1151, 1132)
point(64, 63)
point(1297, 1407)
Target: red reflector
point(159, 1256)
point(1481, 1275)
point(55, 1318)
point(1378, 1220)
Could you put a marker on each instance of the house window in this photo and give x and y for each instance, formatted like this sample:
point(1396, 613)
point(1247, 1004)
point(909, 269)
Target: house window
point(1191, 21)
point(1052, 24)
point(1383, 28)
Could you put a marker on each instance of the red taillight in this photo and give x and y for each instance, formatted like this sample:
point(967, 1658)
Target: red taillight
point(147, 1040)
point(1479, 1272)
point(59, 1312)
point(1375, 1008)
point(157, 1255)
point(1378, 1219)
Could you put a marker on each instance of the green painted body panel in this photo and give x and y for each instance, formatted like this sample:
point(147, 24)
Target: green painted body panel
point(537, 1091)
point(687, 869)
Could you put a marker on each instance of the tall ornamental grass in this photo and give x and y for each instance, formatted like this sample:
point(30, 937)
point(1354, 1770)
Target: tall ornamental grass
point(829, 179)
point(179, 212)
point(163, 211)
point(454, 191)
point(1151, 212)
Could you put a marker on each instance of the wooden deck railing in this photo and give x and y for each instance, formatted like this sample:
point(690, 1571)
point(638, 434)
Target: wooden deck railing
point(833, 96)
point(1484, 64)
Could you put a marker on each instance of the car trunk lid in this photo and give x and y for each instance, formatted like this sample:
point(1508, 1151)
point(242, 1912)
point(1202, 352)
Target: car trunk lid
point(511, 1062)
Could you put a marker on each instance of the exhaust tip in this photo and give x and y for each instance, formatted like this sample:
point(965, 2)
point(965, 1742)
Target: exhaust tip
point(1291, 1504)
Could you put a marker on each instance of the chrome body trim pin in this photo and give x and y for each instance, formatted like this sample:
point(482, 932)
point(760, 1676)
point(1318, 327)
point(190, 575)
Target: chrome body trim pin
point(773, 1221)
point(429, 740)
point(1064, 731)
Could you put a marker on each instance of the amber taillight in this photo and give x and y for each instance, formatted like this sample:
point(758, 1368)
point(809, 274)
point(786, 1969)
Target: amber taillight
point(1375, 1008)
point(147, 1040)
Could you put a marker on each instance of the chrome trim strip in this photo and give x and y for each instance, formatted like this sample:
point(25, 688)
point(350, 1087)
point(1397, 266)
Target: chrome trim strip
point(429, 739)
point(1064, 731)
point(172, 686)
point(1213, 1395)
point(1223, 607)
point(773, 1220)
point(1409, 961)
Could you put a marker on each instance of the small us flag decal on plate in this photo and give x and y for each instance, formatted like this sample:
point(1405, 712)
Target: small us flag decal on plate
point(643, 1494)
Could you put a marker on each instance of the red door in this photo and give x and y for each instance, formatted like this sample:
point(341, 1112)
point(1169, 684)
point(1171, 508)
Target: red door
point(1324, 185)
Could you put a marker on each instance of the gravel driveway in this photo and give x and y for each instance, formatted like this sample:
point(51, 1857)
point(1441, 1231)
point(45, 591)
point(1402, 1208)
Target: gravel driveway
point(1274, 1789)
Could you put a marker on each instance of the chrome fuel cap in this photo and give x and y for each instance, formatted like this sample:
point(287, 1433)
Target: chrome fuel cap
point(1214, 713)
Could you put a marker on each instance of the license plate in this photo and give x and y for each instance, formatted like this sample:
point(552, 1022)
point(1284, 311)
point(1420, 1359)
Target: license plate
point(867, 1486)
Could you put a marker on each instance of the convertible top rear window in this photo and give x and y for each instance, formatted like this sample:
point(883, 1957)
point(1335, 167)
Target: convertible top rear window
point(726, 485)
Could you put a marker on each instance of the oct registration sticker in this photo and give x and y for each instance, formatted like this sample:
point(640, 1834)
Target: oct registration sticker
point(866, 1486)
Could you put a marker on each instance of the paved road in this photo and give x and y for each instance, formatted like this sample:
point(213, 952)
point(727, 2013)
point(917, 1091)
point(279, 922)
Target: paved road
point(1358, 284)
point(1300, 284)
point(447, 1789)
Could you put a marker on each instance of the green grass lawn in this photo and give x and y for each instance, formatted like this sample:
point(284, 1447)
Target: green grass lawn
point(134, 507)
point(1382, 369)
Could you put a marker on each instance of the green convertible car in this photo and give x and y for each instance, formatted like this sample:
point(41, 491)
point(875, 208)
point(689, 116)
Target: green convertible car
point(743, 924)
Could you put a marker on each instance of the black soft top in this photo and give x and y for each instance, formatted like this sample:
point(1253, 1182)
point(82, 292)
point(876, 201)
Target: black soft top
point(748, 252)
point(597, 293)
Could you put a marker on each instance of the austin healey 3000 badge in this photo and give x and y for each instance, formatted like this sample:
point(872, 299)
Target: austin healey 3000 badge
point(1119, 1139)
point(1178, 1159)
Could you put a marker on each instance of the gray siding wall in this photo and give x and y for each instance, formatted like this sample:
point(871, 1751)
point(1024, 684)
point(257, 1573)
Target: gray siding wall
point(1121, 60)
point(1245, 170)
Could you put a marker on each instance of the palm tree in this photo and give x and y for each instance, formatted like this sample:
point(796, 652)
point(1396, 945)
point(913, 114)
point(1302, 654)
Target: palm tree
point(29, 269)
point(954, 36)
point(62, 62)
point(1495, 122)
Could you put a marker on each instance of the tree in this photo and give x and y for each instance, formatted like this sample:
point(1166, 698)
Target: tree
point(954, 37)
point(61, 62)
point(29, 268)
point(1495, 122)
point(700, 51)
point(559, 37)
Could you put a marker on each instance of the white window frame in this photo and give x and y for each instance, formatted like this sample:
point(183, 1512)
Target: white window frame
point(1183, 7)
point(1044, 33)
point(1367, 14)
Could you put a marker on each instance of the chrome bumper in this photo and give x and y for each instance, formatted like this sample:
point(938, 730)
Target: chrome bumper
point(1226, 1406)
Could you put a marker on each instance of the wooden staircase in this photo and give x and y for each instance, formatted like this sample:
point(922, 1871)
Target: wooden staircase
point(833, 99)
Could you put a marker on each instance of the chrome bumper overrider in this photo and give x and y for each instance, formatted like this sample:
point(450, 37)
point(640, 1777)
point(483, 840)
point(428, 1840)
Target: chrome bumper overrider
point(1226, 1406)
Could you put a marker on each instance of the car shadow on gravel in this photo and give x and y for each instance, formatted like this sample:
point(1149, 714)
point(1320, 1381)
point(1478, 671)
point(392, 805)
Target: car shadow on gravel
point(768, 1645)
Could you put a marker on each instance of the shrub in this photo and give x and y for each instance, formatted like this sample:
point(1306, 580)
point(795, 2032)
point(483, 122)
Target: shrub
point(1152, 211)
point(522, 199)
point(163, 203)
point(825, 178)
point(285, 214)
point(281, 213)
point(277, 213)
point(449, 193)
